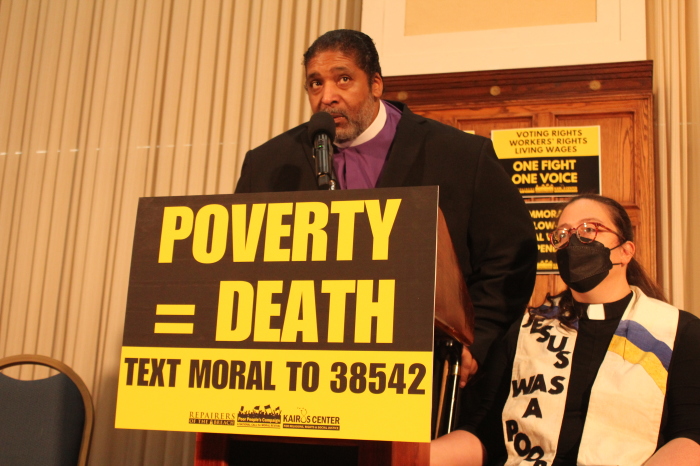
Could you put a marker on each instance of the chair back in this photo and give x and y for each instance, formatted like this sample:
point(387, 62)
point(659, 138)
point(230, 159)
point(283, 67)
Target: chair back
point(47, 421)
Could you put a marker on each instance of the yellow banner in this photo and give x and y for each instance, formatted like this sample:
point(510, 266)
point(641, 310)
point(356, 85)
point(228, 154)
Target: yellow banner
point(303, 314)
point(547, 142)
point(367, 395)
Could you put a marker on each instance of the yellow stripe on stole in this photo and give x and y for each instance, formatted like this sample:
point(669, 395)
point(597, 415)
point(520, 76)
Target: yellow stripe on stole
point(632, 354)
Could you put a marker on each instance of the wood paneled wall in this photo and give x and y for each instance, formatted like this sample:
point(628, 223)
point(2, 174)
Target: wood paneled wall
point(617, 97)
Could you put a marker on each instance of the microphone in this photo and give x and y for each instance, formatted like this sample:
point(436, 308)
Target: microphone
point(322, 133)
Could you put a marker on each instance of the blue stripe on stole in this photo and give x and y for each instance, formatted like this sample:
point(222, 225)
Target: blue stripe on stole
point(645, 341)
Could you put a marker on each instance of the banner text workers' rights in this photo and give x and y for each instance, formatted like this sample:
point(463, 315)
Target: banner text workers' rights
point(558, 161)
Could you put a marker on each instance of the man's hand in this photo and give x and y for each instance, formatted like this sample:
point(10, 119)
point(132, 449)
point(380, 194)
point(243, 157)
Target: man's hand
point(468, 367)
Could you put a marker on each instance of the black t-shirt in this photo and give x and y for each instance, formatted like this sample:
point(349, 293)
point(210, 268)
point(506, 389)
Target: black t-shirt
point(681, 415)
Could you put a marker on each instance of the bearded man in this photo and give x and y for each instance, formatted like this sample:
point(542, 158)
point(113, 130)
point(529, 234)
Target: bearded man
point(383, 144)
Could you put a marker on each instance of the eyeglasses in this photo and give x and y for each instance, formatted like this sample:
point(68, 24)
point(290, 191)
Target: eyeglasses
point(586, 233)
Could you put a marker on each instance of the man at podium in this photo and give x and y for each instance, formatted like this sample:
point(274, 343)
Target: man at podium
point(383, 144)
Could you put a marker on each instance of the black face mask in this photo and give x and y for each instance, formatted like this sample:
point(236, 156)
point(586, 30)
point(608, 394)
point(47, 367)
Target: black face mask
point(584, 266)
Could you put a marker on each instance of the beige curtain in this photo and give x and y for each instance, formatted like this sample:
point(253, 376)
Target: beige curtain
point(692, 240)
point(673, 44)
point(106, 101)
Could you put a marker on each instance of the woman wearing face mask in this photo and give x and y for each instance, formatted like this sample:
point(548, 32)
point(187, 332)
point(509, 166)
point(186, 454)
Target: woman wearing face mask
point(605, 373)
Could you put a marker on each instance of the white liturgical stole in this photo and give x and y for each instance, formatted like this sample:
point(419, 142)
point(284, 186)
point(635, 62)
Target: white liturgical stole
point(626, 404)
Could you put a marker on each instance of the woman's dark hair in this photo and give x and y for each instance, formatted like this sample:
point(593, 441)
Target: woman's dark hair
point(352, 43)
point(636, 275)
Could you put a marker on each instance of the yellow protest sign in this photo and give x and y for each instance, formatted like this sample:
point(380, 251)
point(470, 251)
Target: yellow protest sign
point(285, 314)
point(544, 218)
point(556, 161)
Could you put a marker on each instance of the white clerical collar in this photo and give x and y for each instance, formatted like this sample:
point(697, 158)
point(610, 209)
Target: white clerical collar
point(596, 312)
point(374, 129)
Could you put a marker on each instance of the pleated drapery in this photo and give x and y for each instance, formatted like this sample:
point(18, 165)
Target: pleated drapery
point(106, 101)
point(673, 42)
